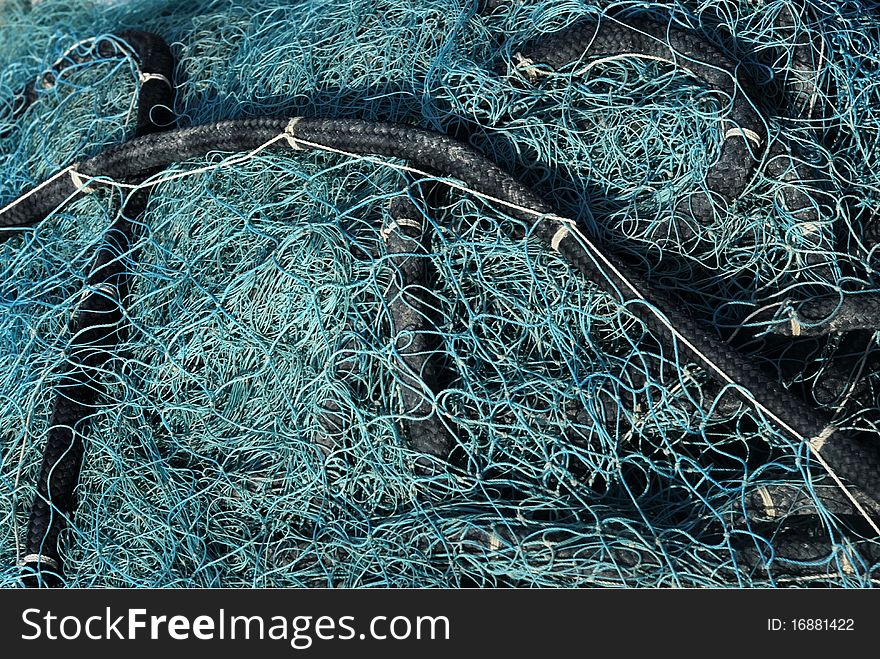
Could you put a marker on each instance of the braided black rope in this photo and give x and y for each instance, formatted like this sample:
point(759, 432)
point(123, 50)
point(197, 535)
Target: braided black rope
point(588, 42)
point(95, 328)
point(846, 456)
point(416, 337)
point(156, 67)
point(822, 315)
point(801, 550)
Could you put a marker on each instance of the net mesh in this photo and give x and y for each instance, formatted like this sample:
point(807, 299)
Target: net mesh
point(252, 431)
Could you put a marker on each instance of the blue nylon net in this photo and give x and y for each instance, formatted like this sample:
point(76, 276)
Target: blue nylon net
point(258, 305)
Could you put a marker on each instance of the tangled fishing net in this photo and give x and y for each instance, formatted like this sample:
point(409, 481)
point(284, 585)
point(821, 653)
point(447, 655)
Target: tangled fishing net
point(259, 307)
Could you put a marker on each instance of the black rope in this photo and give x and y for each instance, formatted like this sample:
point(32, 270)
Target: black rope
point(847, 456)
point(588, 41)
point(416, 337)
point(96, 328)
point(746, 138)
point(802, 549)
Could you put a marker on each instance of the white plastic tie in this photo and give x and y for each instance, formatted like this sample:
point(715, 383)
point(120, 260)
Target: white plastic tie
point(79, 183)
point(107, 289)
point(750, 135)
point(289, 134)
point(527, 65)
point(560, 235)
point(767, 500)
point(817, 442)
point(145, 77)
point(30, 559)
point(391, 227)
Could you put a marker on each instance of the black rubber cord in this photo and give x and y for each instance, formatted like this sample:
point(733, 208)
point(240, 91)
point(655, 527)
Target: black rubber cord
point(96, 329)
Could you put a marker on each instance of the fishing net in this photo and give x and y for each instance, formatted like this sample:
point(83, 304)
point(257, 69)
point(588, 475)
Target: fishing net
point(252, 430)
